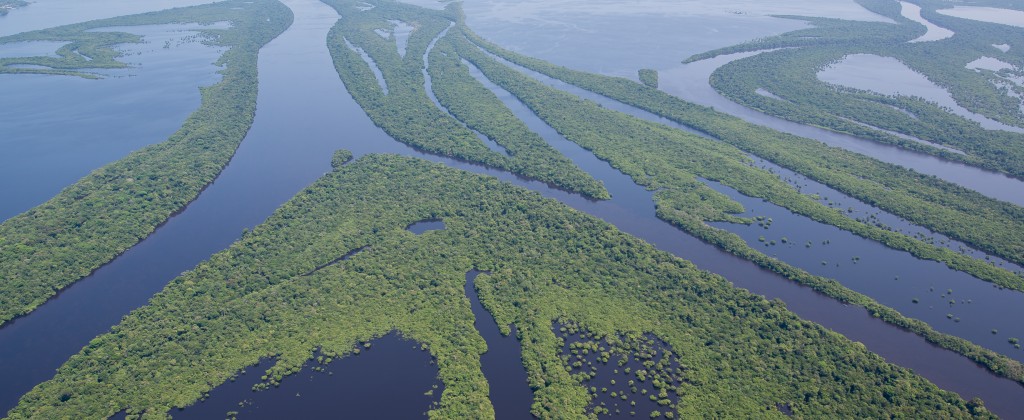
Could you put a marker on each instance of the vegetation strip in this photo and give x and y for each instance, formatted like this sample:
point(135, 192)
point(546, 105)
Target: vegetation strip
point(670, 162)
point(793, 70)
point(738, 355)
point(102, 215)
point(988, 225)
point(407, 113)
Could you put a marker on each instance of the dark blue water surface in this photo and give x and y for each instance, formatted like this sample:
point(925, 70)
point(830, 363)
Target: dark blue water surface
point(502, 365)
point(304, 114)
point(980, 307)
point(391, 379)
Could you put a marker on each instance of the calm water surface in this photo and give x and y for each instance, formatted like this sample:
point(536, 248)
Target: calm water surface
point(855, 208)
point(42, 14)
point(392, 378)
point(57, 129)
point(297, 128)
point(934, 32)
point(987, 14)
point(502, 365)
point(632, 210)
point(690, 82)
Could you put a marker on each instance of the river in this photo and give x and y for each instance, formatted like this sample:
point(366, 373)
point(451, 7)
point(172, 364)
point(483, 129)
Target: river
point(303, 115)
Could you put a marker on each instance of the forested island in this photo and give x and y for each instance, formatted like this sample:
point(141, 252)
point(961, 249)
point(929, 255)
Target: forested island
point(385, 245)
point(546, 263)
point(116, 206)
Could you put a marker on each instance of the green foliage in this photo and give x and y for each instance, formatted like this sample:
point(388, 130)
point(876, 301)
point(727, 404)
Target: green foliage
point(989, 225)
point(547, 263)
point(648, 77)
point(102, 215)
point(481, 110)
point(671, 161)
point(407, 113)
point(874, 116)
point(341, 157)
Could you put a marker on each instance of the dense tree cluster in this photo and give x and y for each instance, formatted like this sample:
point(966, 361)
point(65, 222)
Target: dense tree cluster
point(673, 163)
point(742, 354)
point(992, 226)
point(406, 112)
point(648, 77)
point(875, 116)
point(92, 221)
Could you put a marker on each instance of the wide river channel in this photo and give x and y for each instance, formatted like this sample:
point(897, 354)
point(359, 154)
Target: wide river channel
point(304, 114)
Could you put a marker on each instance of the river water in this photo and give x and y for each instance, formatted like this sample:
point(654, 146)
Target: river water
point(979, 308)
point(57, 129)
point(42, 14)
point(304, 114)
point(690, 82)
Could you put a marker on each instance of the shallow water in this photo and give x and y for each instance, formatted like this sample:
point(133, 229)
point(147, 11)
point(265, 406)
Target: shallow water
point(989, 63)
point(889, 76)
point(690, 82)
point(857, 209)
point(893, 278)
point(57, 129)
point(631, 209)
point(873, 215)
point(402, 31)
point(878, 262)
point(428, 86)
point(425, 226)
point(828, 196)
point(613, 380)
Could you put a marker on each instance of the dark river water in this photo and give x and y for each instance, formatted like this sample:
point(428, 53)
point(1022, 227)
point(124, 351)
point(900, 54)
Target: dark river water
point(391, 379)
point(894, 278)
point(303, 115)
point(503, 363)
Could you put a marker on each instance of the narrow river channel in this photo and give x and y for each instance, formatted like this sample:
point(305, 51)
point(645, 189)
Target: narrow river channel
point(304, 114)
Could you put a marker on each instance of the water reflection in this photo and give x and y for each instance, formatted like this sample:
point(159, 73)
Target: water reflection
point(391, 378)
point(304, 114)
point(917, 288)
point(502, 364)
point(425, 226)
